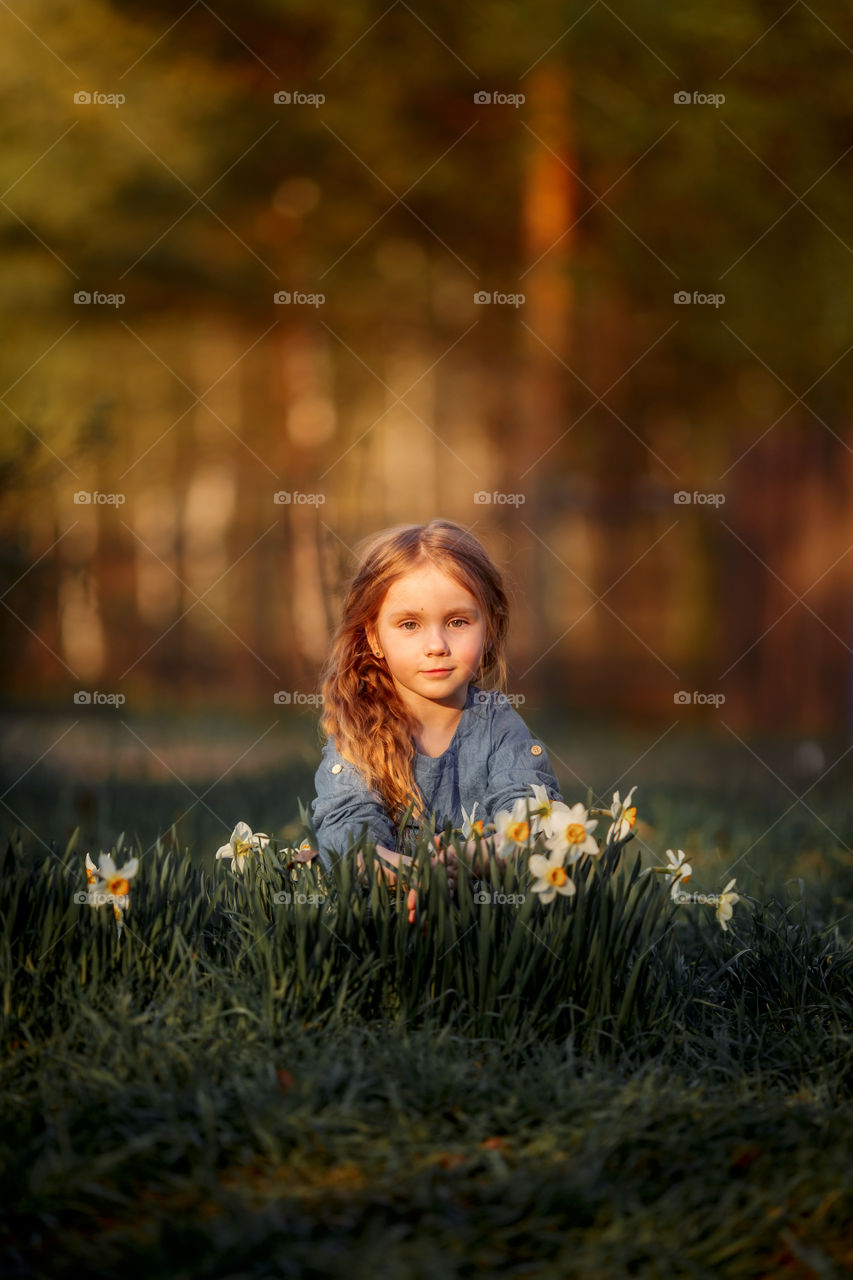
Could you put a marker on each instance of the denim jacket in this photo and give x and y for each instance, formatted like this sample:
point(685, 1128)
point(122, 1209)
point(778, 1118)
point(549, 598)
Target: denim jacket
point(493, 759)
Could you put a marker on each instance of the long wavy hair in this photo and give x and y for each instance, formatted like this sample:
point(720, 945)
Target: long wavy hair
point(362, 711)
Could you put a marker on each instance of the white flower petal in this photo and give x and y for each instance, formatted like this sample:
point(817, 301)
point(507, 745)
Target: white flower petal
point(539, 865)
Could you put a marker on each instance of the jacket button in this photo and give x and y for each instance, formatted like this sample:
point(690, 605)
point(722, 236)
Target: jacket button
point(536, 750)
point(336, 768)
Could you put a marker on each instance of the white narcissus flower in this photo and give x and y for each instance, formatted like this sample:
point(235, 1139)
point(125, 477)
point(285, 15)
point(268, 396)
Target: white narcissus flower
point(469, 826)
point(109, 883)
point(624, 816)
point(108, 878)
point(569, 831)
point(512, 828)
point(551, 876)
point(679, 871)
point(541, 808)
point(724, 906)
point(242, 843)
point(474, 832)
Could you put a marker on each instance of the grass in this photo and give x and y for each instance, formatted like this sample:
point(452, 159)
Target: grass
point(608, 1085)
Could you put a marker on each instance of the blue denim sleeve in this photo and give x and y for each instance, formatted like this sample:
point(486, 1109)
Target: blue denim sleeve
point(343, 806)
point(517, 760)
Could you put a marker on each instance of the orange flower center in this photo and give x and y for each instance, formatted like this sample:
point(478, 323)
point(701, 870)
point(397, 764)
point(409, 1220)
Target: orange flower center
point(557, 876)
point(630, 815)
point(91, 878)
point(575, 833)
point(118, 886)
point(518, 831)
point(477, 826)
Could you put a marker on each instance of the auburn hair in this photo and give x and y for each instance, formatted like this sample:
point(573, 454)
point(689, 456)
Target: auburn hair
point(362, 711)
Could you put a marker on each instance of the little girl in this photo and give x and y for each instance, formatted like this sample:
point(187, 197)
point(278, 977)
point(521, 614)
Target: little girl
point(413, 708)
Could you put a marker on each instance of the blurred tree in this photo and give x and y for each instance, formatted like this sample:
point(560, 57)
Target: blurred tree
point(399, 197)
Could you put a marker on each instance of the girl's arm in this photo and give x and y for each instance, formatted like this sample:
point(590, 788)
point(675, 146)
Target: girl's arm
point(402, 860)
point(389, 855)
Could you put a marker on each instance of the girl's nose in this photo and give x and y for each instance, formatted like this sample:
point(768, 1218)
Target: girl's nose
point(435, 642)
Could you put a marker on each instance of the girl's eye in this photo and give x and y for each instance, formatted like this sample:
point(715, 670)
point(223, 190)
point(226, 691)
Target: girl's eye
point(411, 622)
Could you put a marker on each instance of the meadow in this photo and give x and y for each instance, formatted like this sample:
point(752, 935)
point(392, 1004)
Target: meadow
point(278, 1073)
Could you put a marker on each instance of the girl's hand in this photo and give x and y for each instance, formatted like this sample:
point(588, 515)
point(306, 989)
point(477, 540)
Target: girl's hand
point(478, 852)
point(474, 857)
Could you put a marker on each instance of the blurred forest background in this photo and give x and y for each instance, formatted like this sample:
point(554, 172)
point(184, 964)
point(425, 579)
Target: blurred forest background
point(387, 188)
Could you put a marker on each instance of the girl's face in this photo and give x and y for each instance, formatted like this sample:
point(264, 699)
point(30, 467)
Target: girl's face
point(431, 633)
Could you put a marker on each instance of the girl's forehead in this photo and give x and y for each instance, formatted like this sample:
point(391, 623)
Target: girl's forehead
point(418, 586)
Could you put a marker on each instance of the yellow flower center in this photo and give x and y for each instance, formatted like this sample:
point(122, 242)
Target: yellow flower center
point(575, 833)
point(518, 831)
point(243, 847)
point(557, 876)
point(630, 815)
point(91, 878)
point(118, 886)
point(477, 826)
